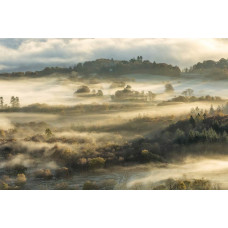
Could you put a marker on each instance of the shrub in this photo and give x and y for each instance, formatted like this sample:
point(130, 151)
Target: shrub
point(108, 184)
point(44, 174)
point(3, 185)
point(16, 169)
point(21, 179)
point(169, 88)
point(90, 185)
point(62, 172)
point(96, 163)
point(62, 186)
point(83, 89)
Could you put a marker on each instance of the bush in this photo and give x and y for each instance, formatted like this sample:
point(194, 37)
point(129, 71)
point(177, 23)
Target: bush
point(147, 156)
point(62, 172)
point(96, 163)
point(183, 184)
point(169, 88)
point(90, 185)
point(21, 179)
point(62, 186)
point(108, 184)
point(16, 169)
point(44, 174)
point(83, 89)
point(3, 185)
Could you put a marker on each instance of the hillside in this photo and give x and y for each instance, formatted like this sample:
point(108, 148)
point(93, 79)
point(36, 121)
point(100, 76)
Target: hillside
point(211, 69)
point(105, 68)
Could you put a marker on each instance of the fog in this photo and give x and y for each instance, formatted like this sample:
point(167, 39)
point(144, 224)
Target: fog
point(214, 169)
point(77, 139)
point(58, 90)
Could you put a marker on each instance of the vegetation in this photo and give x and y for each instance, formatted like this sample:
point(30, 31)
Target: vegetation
point(187, 184)
point(83, 89)
point(97, 145)
point(81, 108)
point(194, 99)
point(105, 67)
point(127, 94)
point(212, 69)
point(114, 67)
point(169, 88)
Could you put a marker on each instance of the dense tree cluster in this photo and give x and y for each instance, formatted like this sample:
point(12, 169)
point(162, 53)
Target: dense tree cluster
point(83, 89)
point(194, 98)
point(106, 67)
point(165, 139)
point(115, 67)
point(169, 88)
point(14, 102)
point(210, 64)
point(127, 94)
point(213, 69)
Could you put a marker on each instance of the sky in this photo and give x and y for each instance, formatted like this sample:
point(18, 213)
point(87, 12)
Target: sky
point(35, 54)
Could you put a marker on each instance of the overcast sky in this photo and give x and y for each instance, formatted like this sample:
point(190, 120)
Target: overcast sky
point(35, 54)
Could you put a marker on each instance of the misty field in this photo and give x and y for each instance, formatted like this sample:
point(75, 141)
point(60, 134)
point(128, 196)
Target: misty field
point(77, 130)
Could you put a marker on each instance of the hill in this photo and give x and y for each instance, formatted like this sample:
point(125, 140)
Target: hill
point(105, 68)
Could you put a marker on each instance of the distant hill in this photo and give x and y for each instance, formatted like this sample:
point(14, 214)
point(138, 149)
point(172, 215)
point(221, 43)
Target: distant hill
point(114, 67)
point(211, 69)
point(106, 67)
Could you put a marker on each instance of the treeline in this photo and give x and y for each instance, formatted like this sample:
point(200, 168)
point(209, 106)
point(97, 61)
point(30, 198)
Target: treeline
point(127, 94)
point(14, 103)
point(194, 98)
point(44, 72)
point(193, 136)
point(81, 108)
point(106, 67)
point(115, 67)
point(216, 69)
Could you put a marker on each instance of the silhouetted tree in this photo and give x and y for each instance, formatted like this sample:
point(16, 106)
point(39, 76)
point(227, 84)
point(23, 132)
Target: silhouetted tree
point(169, 88)
point(1, 102)
point(192, 121)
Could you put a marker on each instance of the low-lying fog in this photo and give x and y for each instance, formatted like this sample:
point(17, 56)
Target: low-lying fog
point(101, 118)
point(149, 176)
point(59, 89)
point(214, 169)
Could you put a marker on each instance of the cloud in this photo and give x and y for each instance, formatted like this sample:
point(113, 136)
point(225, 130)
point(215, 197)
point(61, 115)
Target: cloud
point(35, 54)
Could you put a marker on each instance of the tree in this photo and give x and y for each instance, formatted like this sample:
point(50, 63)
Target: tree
point(17, 102)
point(99, 93)
point(2, 134)
point(79, 67)
point(96, 163)
point(139, 58)
point(204, 115)
point(128, 87)
point(48, 132)
point(132, 60)
point(1, 102)
point(169, 88)
point(212, 111)
point(179, 136)
point(151, 96)
point(12, 101)
point(90, 185)
point(192, 121)
point(83, 89)
point(188, 92)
